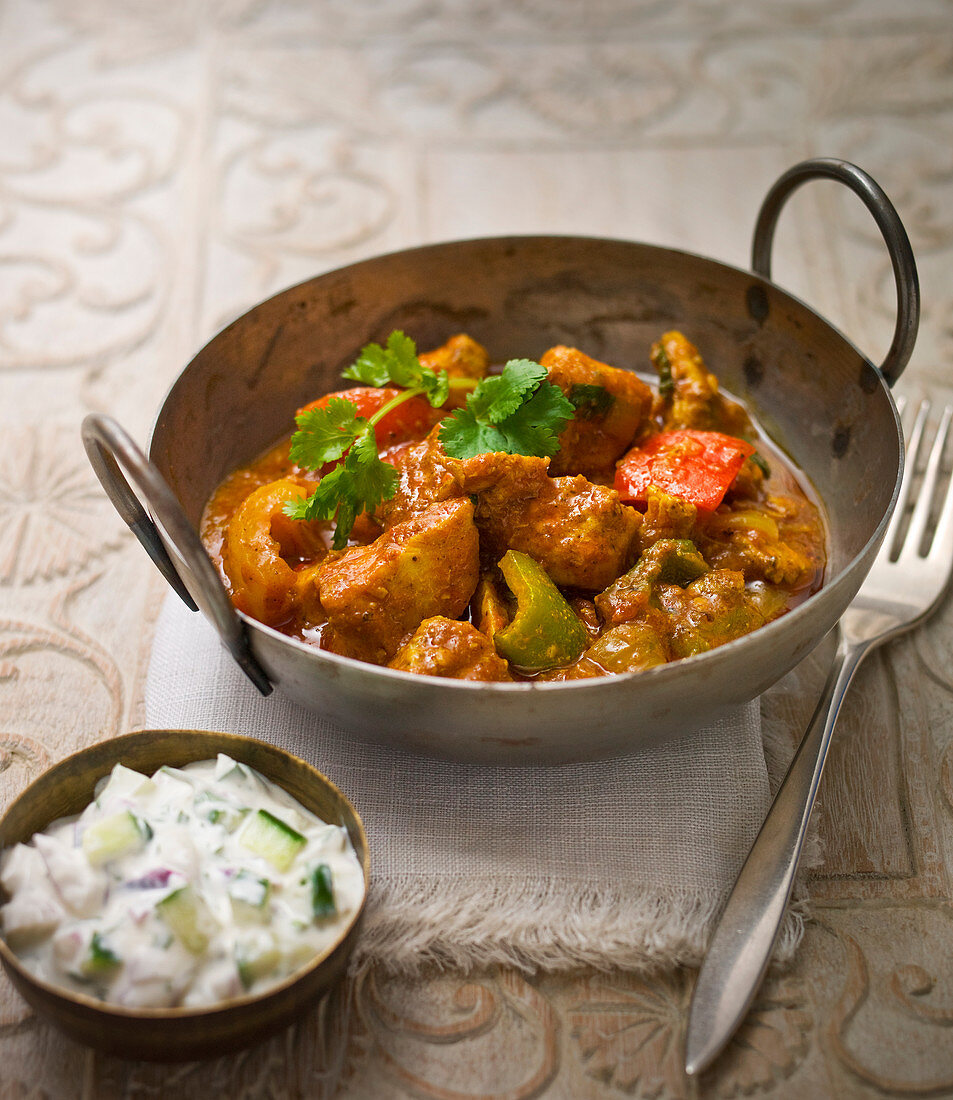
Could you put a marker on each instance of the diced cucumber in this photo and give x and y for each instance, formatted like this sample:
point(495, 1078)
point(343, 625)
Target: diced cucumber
point(174, 773)
point(256, 958)
point(322, 892)
point(100, 959)
point(229, 817)
point(249, 896)
point(186, 913)
point(226, 767)
point(124, 782)
point(173, 784)
point(113, 837)
point(232, 771)
point(269, 836)
point(212, 807)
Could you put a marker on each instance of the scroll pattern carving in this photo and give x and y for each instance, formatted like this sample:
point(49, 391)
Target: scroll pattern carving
point(74, 246)
point(411, 1049)
point(924, 1064)
point(54, 518)
point(630, 1035)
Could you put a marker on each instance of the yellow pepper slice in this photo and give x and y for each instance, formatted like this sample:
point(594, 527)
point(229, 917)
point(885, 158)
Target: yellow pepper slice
point(545, 632)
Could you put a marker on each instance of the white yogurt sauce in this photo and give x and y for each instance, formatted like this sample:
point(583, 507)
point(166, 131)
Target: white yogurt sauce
point(187, 888)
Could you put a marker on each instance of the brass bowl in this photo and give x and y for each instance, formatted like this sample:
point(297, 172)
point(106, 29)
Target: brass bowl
point(178, 1034)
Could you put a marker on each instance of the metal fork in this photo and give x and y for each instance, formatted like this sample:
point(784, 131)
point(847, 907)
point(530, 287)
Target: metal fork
point(903, 587)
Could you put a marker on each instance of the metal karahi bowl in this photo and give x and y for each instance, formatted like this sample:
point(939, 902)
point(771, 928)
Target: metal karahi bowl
point(818, 397)
point(178, 1034)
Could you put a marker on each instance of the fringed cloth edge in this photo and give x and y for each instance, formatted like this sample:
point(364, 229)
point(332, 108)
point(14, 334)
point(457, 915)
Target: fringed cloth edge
point(413, 924)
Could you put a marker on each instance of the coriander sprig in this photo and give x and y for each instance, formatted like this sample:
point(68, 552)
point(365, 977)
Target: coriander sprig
point(398, 365)
point(335, 433)
point(357, 484)
point(517, 412)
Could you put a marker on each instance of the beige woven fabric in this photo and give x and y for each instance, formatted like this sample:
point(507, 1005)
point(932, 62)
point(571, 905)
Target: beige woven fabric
point(619, 863)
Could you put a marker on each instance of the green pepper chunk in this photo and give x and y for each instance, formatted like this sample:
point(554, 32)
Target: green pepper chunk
point(673, 561)
point(545, 631)
point(668, 561)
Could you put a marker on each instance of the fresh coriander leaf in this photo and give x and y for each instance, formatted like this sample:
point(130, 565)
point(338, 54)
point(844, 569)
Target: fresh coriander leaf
point(358, 484)
point(405, 367)
point(535, 426)
point(325, 433)
point(370, 367)
point(531, 429)
point(464, 436)
point(376, 366)
point(334, 433)
point(499, 395)
point(398, 365)
point(435, 386)
point(590, 401)
point(374, 480)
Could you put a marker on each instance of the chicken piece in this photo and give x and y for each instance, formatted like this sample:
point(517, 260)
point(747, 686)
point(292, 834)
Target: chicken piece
point(666, 517)
point(261, 547)
point(585, 609)
point(776, 540)
point(749, 481)
point(580, 533)
point(376, 595)
point(688, 392)
point(453, 649)
point(611, 405)
point(460, 357)
point(489, 611)
point(423, 478)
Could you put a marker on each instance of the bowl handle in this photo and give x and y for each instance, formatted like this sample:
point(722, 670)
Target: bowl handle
point(888, 221)
point(111, 451)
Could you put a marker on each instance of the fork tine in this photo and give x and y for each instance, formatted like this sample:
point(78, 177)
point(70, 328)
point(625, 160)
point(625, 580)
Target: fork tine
point(906, 483)
point(941, 548)
point(921, 512)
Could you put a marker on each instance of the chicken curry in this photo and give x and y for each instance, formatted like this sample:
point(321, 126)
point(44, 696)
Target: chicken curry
point(551, 521)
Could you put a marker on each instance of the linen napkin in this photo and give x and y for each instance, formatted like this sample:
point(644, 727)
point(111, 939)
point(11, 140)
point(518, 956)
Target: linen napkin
point(622, 863)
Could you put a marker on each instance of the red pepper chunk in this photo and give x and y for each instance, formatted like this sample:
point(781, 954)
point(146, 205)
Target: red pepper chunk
point(696, 466)
point(411, 420)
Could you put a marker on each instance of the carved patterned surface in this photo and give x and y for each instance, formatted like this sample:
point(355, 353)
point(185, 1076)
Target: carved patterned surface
point(163, 166)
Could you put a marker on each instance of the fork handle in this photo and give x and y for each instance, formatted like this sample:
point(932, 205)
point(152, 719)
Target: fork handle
point(744, 938)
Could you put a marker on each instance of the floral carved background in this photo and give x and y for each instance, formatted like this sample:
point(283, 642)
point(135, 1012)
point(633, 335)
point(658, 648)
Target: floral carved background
point(165, 166)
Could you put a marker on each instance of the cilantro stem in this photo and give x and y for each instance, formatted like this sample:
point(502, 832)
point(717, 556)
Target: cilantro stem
point(415, 391)
point(403, 396)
